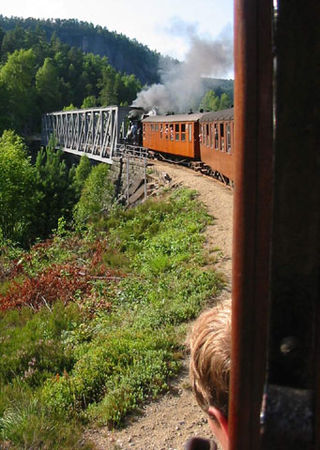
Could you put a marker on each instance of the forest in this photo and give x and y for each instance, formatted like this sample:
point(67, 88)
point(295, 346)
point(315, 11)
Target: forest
point(38, 76)
point(124, 54)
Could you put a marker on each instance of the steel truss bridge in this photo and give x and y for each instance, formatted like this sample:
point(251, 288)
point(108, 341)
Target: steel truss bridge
point(95, 132)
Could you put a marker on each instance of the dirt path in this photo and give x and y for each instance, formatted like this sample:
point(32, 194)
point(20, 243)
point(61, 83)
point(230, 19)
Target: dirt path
point(169, 422)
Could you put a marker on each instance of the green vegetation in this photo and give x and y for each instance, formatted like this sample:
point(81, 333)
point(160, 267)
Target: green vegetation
point(124, 54)
point(34, 197)
point(96, 196)
point(38, 75)
point(18, 196)
point(49, 65)
point(92, 324)
point(212, 102)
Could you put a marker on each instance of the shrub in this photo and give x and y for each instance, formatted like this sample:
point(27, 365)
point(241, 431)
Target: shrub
point(31, 344)
point(18, 194)
point(56, 282)
point(56, 190)
point(96, 198)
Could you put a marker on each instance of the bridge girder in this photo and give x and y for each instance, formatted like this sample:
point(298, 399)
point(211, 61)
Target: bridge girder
point(94, 132)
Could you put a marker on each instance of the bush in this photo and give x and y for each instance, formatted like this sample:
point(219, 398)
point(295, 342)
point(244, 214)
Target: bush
point(18, 194)
point(31, 344)
point(56, 190)
point(96, 198)
point(82, 172)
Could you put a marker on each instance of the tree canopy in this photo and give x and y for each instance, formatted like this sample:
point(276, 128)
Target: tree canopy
point(18, 194)
point(38, 75)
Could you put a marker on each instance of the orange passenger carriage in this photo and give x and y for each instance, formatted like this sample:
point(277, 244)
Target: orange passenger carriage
point(176, 134)
point(217, 141)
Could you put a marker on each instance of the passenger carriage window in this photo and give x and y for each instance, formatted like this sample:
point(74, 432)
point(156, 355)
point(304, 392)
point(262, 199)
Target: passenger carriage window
point(211, 135)
point(222, 137)
point(190, 132)
point(228, 138)
point(152, 127)
point(183, 132)
point(157, 127)
point(216, 137)
point(166, 131)
point(171, 132)
point(177, 131)
point(161, 130)
point(207, 134)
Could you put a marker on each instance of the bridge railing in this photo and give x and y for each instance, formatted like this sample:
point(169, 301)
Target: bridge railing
point(124, 149)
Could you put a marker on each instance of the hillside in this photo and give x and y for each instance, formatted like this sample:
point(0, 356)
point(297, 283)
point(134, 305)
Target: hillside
point(124, 54)
point(93, 320)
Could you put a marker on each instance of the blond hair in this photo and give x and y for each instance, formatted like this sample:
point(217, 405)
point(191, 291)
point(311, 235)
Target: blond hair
point(210, 357)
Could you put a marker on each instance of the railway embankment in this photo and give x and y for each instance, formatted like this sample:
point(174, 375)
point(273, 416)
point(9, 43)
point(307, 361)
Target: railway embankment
point(170, 421)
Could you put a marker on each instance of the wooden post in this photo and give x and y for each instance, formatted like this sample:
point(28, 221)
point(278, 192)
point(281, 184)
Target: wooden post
point(252, 218)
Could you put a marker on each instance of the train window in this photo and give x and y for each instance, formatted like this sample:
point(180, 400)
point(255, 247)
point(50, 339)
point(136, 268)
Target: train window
point(152, 127)
point(211, 135)
point(166, 131)
point(222, 137)
point(207, 134)
point(177, 128)
point(171, 132)
point(183, 131)
point(190, 132)
point(228, 138)
point(161, 130)
point(157, 127)
point(216, 137)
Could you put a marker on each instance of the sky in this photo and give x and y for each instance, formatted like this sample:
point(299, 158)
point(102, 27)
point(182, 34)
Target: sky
point(166, 26)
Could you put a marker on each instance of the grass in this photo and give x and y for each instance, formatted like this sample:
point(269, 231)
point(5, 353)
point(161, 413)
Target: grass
point(112, 347)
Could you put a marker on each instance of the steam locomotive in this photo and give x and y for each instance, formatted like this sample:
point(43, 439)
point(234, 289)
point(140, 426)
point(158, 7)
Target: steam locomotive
point(204, 140)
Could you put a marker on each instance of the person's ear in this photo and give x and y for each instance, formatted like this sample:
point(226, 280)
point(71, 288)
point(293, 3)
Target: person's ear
point(219, 426)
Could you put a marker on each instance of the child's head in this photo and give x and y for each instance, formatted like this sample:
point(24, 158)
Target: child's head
point(210, 345)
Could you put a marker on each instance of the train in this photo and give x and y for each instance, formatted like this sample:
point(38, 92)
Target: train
point(205, 140)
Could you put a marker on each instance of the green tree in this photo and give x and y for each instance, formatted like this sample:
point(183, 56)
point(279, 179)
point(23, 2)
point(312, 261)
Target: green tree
point(48, 86)
point(4, 111)
point(81, 174)
point(225, 101)
point(13, 40)
point(17, 75)
point(96, 197)
point(210, 101)
point(57, 193)
point(130, 89)
point(18, 194)
point(70, 107)
point(108, 95)
point(89, 102)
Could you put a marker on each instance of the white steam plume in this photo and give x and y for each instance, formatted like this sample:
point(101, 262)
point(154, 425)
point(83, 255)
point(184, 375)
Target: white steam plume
point(182, 84)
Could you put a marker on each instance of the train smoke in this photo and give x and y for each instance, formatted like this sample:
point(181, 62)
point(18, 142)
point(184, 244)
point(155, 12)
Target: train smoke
point(182, 85)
